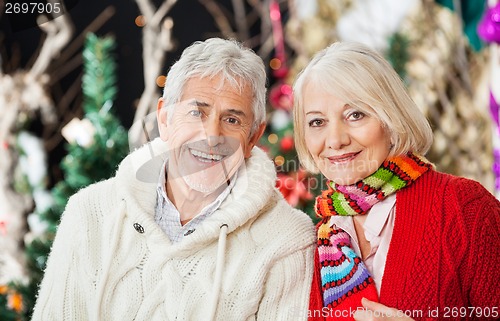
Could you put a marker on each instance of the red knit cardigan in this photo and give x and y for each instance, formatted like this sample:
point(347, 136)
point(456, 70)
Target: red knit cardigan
point(444, 257)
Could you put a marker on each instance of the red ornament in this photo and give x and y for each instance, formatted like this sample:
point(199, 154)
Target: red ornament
point(282, 185)
point(293, 187)
point(287, 144)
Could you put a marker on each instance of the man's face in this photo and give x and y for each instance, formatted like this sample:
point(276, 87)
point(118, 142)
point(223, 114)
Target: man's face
point(208, 133)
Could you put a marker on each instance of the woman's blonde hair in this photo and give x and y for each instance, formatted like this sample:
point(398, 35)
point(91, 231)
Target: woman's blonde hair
point(365, 80)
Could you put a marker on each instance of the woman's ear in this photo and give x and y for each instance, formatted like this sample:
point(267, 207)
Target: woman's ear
point(162, 118)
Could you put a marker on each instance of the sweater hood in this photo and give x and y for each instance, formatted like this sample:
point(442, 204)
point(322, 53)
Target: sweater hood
point(137, 180)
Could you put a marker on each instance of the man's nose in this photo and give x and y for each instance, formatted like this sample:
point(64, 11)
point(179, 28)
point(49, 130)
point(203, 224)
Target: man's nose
point(213, 132)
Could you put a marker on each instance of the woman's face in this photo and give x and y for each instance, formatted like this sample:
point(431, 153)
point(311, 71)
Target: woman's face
point(346, 144)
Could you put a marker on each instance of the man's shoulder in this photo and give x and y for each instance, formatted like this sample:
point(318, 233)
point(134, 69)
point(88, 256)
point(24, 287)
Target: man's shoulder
point(97, 189)
point(98, 195)
point(285, 223)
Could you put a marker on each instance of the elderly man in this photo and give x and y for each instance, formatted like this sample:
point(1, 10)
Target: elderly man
point(191, 227)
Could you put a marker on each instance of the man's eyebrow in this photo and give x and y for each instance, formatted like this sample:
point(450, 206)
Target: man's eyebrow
point(232, 111)
point(198, 103)
point(237, 112)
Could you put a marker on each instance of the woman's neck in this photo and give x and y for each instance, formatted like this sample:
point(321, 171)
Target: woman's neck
point(364, 244)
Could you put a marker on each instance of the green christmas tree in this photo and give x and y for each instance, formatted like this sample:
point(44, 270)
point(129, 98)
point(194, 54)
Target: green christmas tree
point(398, 54)
point(83, 165)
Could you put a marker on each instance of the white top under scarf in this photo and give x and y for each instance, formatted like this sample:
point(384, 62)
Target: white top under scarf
point(378, 229)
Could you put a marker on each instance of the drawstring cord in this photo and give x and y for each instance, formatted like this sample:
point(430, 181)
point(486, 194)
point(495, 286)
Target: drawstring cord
point(219, 267)
point(108, 260)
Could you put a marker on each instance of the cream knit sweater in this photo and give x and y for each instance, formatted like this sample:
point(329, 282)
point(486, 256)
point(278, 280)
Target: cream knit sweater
point(111, 261)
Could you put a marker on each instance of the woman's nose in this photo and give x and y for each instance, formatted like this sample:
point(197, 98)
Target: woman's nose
point(338, 136)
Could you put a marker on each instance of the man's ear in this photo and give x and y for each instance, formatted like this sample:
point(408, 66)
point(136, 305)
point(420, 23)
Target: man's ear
point(162, 118)
point(255, 139)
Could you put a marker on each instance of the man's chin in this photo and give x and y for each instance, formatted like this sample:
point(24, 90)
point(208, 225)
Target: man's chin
point(205, 184)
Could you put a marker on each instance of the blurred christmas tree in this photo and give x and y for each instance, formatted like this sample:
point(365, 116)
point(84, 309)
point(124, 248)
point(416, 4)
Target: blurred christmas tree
point(96, 145)
point(398, 53)
point(297, 186)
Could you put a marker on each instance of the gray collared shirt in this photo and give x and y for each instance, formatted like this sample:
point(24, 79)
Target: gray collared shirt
point(168, 217)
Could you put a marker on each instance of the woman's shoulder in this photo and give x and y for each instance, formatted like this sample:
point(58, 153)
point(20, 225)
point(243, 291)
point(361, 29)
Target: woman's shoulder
point(448, 183)
point(466, 189)
point(447, 193)
point(459, 193)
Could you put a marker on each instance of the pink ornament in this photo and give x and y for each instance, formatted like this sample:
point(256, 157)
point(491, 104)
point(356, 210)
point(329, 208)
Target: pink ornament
point(281, 72)
point(3, 227)
point(489, 26)
point(279, 43)
point(281, 97)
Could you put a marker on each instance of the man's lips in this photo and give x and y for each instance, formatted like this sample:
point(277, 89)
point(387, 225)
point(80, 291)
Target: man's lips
point(206, 157)
point(344, 158)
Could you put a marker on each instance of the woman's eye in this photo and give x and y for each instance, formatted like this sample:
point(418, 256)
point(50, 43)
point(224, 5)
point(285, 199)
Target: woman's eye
point(315, 123)
point(356, 115)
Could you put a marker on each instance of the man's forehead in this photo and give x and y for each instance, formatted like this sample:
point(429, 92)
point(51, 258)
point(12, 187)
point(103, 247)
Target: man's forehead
point(218, 83)
point(229, 109)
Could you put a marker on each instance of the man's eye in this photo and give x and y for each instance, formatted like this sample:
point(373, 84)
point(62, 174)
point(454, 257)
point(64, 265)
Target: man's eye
point(195, 113)
point(232, 121)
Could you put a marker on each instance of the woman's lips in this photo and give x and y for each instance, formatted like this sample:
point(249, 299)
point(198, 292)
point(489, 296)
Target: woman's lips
point(344, 158)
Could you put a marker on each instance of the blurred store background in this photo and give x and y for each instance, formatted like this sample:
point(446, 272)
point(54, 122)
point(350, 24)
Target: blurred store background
point(78, 91)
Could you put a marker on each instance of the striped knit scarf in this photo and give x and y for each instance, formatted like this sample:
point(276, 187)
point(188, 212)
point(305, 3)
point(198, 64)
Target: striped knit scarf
point(344, 277)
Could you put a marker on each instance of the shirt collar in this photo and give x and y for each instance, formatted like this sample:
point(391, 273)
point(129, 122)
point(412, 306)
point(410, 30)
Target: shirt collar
point(207, 210)
point(374, 224)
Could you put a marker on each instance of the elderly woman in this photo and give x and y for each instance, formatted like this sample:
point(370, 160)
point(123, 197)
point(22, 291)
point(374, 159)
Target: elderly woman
point(397, 239)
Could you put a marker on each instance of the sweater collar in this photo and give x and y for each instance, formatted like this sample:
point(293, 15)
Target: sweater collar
point(137, 179)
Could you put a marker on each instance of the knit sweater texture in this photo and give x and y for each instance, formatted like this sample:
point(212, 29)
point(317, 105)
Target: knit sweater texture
point(111, 261)
point(444, 257)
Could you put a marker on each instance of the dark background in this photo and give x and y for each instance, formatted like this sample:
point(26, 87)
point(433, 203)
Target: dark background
point(191, 22)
